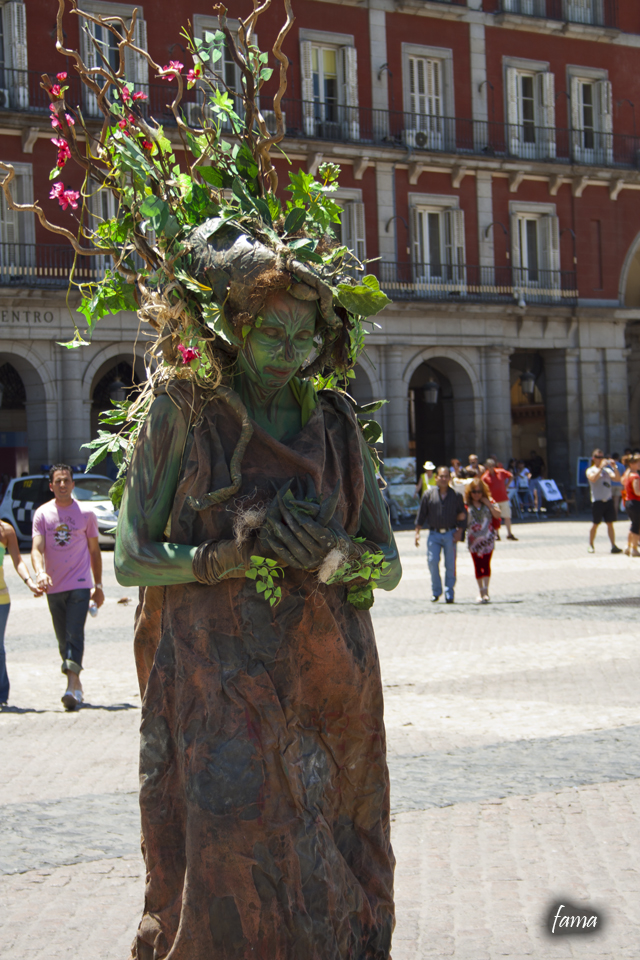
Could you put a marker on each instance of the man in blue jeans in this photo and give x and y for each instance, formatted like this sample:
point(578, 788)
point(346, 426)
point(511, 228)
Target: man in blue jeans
point(442, 510)
point(65, 554)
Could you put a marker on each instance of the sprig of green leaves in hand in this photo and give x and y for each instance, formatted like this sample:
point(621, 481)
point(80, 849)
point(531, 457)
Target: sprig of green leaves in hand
point(263, 570)
point(369, 567)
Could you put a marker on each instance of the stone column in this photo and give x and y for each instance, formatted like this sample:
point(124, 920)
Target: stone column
point(76, 416)
point(379, 73)
point(384, 191)
point(563, 415)
point(498, 394)
point(617, 399)
point(397, 413)
point(484, 199)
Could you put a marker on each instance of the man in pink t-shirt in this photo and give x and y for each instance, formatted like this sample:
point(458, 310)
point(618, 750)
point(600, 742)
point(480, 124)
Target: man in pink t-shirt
point(65, 554)
point(497, 478)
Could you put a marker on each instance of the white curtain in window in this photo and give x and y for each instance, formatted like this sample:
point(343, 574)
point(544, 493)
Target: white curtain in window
point(455, 244)
point(349, 67)
point(14, 17)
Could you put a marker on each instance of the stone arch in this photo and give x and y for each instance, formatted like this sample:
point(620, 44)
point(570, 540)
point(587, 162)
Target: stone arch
point(461, 398)
point(101, 360)
point(629, 290)
point(634, 416)
point(40, 405)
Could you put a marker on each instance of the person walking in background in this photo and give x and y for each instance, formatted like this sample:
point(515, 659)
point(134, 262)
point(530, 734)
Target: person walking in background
point(497, 479)
point(600, 475)
point(442, 511)
point(474, 468)
point(9, 544)
point(616, 488)
point(523, 477)
point(536, 466)
point(65, 553)
point(481, 534)
point(427, 478)
point(631, 480)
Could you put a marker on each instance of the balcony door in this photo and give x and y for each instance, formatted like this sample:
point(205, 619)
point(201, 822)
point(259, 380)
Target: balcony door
point(531, 114)
point(536, 254)
point(438, 248)
point(330, 107)
point(425, 122)
point(591, 121)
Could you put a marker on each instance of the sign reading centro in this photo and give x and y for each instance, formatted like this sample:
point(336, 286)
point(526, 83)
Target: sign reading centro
point(27, 316)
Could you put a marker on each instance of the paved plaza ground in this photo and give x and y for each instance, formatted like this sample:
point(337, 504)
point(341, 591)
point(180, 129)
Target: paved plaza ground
point(514, 751)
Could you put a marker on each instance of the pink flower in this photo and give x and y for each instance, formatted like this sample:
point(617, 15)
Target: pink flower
point(193, 76)
point(174, 65)
point(55, 123)
point(61, 77)
point(55, 90)
point(69, 119)
point(147, 144)
point(64, 153)
point(65, 197)
point(188, 353)
point(126, 94)
point(140, 96)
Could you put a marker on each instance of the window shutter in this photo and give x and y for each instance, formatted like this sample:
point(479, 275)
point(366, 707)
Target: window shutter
point(550, 242)
point(417, 242)
point(90, 57)
point(15, 33)
point(547, 105)
point(137, 68)
point(604, 108)
point(353, 228)
point(516, 259)
point(576, 118)
point(306, 88)
point(514, 134)
point(455, 244)
point(349, 64)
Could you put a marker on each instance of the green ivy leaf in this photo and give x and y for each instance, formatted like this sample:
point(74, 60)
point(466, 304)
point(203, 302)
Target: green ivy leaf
point(295, 220)
point(366, 299)
point(251, 573)
point(261, 586)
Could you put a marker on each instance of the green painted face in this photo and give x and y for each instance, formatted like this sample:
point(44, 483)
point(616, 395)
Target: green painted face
point(274, 352)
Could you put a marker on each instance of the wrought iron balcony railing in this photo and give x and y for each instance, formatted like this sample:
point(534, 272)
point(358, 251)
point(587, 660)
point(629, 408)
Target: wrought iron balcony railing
point(599, 13)
point(419, 133)
point(46, 265)
point(467, 284)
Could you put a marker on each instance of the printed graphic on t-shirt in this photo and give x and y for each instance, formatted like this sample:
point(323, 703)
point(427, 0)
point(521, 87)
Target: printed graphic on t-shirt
point(62, 534)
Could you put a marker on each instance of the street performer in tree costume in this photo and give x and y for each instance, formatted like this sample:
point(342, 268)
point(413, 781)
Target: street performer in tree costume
point(251, 516)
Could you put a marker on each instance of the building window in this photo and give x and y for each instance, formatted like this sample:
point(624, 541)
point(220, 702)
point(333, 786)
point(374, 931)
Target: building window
point(222, 70)
point(329, 86)
point(535, 239)
point(531, 113)
point(528, 8)
point(14, 81)
point(591, 120)
point(17, 229)
point(94, 38)
point(428, 97)
point(582, 11)
point(438, 245)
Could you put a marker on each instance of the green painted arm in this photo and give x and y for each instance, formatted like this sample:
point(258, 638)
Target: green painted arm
point(141, 558)
point(375, 524)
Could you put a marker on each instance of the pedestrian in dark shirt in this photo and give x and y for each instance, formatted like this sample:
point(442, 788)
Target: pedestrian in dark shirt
point(442, 510)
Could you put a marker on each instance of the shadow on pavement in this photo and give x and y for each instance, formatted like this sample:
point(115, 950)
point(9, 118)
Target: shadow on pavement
point(111, 707)
point(609, 602)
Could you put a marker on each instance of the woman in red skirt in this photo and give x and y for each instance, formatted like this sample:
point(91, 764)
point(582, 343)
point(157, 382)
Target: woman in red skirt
point(481, 533)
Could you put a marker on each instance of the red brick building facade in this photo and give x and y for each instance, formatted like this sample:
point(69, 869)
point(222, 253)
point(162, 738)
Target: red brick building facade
point(490, 157)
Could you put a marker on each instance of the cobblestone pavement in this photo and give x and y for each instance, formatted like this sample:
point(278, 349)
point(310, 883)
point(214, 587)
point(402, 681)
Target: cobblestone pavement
point(514, 735)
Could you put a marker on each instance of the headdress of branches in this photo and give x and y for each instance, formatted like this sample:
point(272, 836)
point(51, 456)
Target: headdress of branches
point(223, 191)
